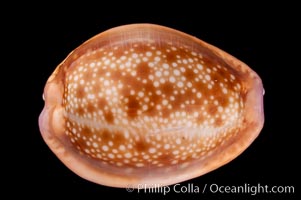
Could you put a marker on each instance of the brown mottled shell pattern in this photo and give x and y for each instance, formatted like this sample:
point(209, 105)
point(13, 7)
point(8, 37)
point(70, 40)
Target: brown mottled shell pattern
point(146, 104)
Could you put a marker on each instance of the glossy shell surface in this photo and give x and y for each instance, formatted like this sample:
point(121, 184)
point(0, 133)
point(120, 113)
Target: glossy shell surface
point(146, 104)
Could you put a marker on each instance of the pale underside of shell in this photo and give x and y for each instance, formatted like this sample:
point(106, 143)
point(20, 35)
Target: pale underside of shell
point(146, 104)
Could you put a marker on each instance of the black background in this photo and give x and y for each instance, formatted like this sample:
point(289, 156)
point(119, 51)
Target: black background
point(261, 36)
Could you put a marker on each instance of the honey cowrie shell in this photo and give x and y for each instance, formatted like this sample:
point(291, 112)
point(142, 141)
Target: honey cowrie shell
point(146, 104)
